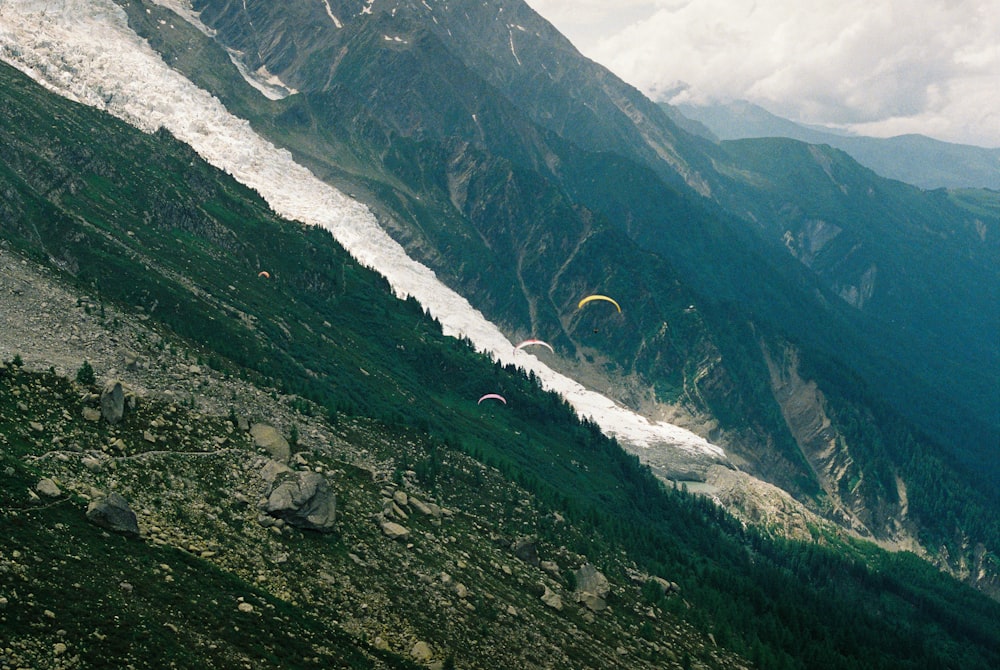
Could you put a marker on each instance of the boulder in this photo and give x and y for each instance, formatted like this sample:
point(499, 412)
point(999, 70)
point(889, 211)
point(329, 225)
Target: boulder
point(272, 469)
point(421, 652)
point(113, 513)
point(666, 587)
point(304, 500)
point(268, 438)
point(394, 531)
point(592, 588)
point(428, 509)
point(113, 402)
point(48, 488)
point(552, 599)
point(526, 549)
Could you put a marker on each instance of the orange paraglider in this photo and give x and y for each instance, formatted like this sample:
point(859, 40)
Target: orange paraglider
point(265, 274)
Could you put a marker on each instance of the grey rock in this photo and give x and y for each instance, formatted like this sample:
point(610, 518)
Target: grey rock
point(394, 531)
point(48, 488)
point(268, 438)
point(526, 549)
point(92, 464)
point(113, 513)
point(113, 402)
point(591, 602)
point(272, 469)
point(427, 509)
point(304, 500)
point(421, 652)
point(552, 599)
point(91, 414)
point(667, 587)
point(550, 567)
point(400, 498)
point(591, 580)
point(592, 588)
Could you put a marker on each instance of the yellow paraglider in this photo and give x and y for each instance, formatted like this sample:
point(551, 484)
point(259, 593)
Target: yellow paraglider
point(599, 297)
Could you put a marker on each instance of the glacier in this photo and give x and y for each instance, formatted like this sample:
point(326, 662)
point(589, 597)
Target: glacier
point(85, 51)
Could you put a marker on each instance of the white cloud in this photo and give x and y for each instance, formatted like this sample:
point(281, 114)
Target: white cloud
point(931, 66)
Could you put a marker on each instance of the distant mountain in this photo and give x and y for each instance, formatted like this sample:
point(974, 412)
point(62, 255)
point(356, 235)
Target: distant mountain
point(914, 159)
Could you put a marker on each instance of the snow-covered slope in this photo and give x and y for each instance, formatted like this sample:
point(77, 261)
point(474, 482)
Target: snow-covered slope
point(84, 49)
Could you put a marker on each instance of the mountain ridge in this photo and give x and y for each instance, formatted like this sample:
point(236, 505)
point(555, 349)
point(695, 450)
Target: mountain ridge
point(911, 158)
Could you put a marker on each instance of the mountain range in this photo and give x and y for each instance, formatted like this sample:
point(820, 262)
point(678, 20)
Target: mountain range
point(807, 325)
point(914, 159)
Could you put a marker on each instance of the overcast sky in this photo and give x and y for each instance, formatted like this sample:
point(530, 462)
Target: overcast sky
point(877, 67)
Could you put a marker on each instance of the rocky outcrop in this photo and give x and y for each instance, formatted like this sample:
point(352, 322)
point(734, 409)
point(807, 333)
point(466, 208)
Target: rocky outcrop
point(804, 408)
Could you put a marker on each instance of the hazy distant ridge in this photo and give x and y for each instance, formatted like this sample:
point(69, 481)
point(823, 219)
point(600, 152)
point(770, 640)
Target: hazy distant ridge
point(914, 159)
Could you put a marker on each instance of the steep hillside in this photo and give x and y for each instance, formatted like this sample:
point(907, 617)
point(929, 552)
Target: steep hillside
point(312, 480)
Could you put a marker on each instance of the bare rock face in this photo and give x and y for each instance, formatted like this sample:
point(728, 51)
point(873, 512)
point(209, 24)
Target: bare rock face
point(113, 402)
point(113, 513)
point(304, 500)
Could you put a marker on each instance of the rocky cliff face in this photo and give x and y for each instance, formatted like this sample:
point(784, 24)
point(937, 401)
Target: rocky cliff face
point(803, 407)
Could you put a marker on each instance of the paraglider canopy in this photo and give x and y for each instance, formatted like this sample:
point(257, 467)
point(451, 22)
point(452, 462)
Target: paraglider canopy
point(530, 342)
point(493, 396)
point(590, 298)
point(265, 274)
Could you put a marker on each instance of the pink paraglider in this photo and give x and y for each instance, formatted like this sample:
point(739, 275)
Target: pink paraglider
point(493, 396)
